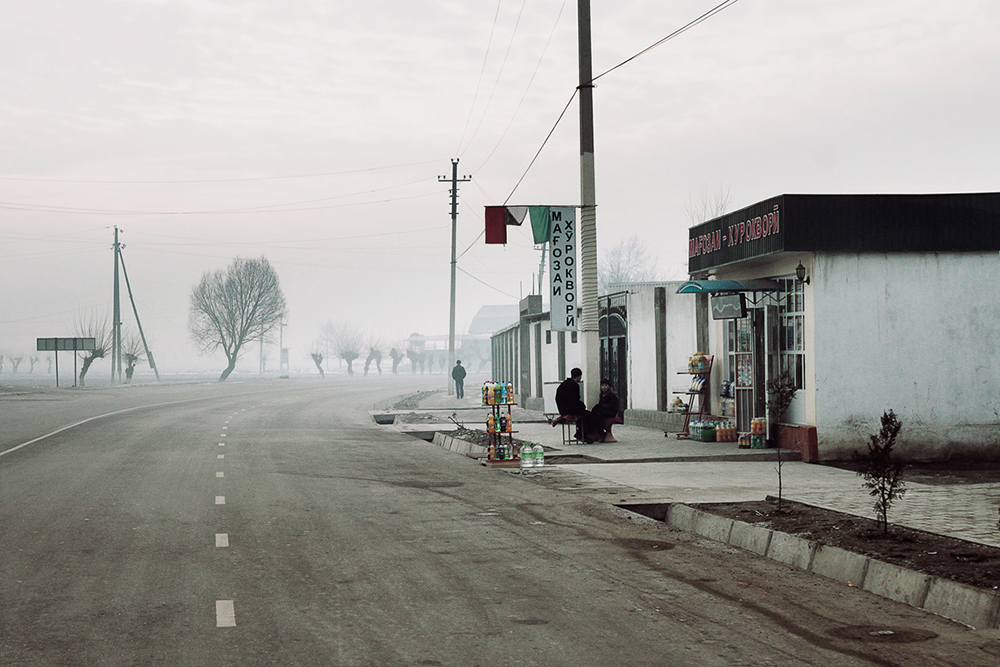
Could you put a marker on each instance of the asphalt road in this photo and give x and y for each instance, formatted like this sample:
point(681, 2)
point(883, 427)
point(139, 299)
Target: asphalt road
point(273, 523)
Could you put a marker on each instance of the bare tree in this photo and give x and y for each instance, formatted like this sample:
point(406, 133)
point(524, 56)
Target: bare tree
point(133, 352)
point(97, 327)
point(33, 359)
point(230, 308)
point(628, 262)
point(16, 361)
point(316, 353)
point(709, 205)
point(346, 341)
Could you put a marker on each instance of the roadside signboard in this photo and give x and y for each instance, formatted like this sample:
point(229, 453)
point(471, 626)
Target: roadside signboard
point(58, 345)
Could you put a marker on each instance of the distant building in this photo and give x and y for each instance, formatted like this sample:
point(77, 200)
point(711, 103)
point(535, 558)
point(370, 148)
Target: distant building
point(491, 319)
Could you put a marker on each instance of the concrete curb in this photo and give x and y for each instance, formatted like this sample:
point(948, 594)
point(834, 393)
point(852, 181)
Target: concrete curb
point(966, 604)
point(457, 445)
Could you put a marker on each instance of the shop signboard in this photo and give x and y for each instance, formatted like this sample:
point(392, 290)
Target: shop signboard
point(562, 269)
point(754, 231)
point(729, 306)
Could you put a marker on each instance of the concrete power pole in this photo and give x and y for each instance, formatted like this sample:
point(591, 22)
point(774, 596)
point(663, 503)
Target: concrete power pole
point(116, 322)
point(455, 180)
point(588, 215)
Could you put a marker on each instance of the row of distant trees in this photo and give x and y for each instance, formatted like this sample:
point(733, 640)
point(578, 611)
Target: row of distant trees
point(347, 342)
point(17, 359)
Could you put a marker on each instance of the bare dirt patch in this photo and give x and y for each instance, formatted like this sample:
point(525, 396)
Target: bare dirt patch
point(946, 557)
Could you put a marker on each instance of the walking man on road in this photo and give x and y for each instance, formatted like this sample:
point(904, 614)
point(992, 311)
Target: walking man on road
point(458, 374)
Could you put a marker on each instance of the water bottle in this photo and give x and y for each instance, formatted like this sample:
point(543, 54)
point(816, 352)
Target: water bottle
point(539, 456)
point(527, 456)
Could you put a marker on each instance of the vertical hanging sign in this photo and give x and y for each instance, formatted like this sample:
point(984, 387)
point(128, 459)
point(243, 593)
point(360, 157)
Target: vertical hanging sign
point(562, 269)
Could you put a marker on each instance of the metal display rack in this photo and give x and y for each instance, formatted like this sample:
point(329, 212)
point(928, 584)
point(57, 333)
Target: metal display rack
point(698, 397)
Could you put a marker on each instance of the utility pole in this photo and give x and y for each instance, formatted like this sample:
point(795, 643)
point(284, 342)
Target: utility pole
point(455, 180)
point(590, 317)
point(116, 322)
point(282, 365)
point(138, 323)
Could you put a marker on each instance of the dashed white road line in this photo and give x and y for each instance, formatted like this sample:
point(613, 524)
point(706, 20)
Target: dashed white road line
point(220, 474)
point(222, 435)
point(222, 456)
point(225, 614)
point(221, 540)
point(222, 444)
point(220, 500)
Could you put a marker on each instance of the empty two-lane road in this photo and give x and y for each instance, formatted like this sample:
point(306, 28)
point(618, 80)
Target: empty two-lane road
point(272, 523)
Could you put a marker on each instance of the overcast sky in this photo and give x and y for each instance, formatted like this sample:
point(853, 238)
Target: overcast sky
point(314, 132)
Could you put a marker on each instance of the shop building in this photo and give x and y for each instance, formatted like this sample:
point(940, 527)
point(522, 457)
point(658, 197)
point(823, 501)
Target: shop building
point(871, 303)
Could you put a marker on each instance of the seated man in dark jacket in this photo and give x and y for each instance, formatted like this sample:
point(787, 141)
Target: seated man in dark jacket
point(606, 411)
point(569, 403)
point(568, 395)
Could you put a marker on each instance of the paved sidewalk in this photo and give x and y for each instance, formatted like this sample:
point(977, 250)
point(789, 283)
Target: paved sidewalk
point(671, 470)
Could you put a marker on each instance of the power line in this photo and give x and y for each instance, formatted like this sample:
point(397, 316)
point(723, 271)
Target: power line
point(16, 206)
point(539, 152)
point(221, 180)
point(526, 88)
point(482, 71)
point(499, 74)
point(486, 283)
point(704, 17)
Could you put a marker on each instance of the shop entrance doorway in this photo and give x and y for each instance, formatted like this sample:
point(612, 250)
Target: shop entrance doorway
point(613, 334)
point(751, 358)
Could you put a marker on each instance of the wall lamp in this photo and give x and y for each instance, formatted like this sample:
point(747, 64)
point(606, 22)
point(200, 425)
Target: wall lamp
point(800, 274)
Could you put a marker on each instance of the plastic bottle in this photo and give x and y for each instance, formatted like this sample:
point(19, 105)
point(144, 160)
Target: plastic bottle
point(509, 423)
point(492, 452)
point(489, 393)
point(490, 424)
point(510, 392)
point(539, 456)
point(486, 393)
point(527, 456)
point(503, 424)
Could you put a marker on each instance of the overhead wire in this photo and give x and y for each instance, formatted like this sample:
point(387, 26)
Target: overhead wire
point(482, 71)
point(503, 64)
point(545, 141)
point(220, 180)
point(526, 88)
point(493, 287)
point(16, 206)
point(704, 17)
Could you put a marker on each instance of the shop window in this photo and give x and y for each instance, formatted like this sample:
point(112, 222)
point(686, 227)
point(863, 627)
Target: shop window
point(548, 336)
point(572, 337)
point(791, 341)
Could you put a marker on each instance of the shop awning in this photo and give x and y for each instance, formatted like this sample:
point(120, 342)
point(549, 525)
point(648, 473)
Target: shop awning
point(717, 286)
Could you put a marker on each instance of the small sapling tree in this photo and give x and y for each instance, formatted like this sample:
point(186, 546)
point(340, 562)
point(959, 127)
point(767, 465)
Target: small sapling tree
point(780, 390)
point(883, 476)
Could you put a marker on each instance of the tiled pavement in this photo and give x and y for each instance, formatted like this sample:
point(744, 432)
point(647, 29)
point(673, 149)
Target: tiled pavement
point(967, 511)
point(683, 471)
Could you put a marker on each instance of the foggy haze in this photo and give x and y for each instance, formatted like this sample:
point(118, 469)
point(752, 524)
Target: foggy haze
point(315, 132)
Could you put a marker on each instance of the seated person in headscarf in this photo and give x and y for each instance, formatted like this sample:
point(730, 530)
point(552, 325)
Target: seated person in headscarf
point(605, 413)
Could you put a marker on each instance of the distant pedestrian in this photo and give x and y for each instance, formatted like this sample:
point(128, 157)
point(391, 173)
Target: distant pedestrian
point(458, 374)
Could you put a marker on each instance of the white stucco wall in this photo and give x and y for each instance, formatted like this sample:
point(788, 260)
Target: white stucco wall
point(641, 350)
point(680, 329)
point(915, 333)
